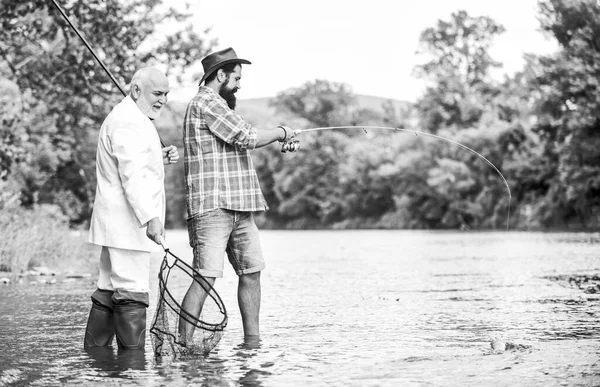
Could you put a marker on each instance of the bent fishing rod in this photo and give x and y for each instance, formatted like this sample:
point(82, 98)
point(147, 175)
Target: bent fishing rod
point(292, 146)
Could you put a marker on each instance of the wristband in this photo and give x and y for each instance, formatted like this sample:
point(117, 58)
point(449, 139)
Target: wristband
point(284, 133)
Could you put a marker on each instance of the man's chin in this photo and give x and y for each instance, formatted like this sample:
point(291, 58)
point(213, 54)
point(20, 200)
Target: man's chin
point(154, 114)
point(231, 101)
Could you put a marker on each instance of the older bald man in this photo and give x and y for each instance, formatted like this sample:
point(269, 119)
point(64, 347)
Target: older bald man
point(129, 212)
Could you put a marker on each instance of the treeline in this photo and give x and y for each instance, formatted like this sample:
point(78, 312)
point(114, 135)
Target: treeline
point(540, 127)
point(55, 95)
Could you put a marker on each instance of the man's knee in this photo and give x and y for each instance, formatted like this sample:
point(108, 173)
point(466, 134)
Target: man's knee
point(202, 284)
point(250, 279)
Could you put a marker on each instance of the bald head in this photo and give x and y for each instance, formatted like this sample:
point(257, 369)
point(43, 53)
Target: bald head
point(149, 89)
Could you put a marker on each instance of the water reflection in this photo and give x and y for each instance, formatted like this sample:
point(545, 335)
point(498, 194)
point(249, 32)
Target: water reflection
point(114, 361)
point(367, 313)
point(244, 362)
point(245, 352)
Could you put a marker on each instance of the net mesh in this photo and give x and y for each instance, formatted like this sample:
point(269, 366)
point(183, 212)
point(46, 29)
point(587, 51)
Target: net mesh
point(208, 327)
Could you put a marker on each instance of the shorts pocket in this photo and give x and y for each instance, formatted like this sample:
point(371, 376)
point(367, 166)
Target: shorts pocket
point(200, 223)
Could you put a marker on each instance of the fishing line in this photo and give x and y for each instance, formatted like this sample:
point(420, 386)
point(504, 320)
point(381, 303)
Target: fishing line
point(419, 133)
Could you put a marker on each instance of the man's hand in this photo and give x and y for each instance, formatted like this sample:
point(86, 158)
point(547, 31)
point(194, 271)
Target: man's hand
point(288, 134)
point(155, 230)
point(170, 154)
point(289, 141)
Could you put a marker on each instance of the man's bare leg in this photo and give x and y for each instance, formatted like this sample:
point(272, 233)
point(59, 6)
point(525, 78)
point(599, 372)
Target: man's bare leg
point(249, 302)
point(192, 304)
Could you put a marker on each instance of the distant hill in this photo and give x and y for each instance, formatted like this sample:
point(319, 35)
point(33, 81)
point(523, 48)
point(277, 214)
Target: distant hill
point(376, 103)
point(362, 101)
point(259, 113)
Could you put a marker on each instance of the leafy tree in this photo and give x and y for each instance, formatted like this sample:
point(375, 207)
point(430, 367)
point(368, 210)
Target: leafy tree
point(367, 188)
point(467, 106)
point(458, 70)
point(65, 94)
point(320, 102)
point(568, 114)
point(308, 189)
point(314, 192)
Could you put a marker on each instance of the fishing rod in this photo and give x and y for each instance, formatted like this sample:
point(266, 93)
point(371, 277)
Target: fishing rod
point(89, 47)
point(80, 35)
point(292, 147)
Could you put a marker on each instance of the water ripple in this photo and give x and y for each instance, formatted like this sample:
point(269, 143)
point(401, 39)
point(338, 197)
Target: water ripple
point(356, 308)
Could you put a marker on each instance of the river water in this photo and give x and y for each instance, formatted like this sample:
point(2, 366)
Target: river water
point(352, 308)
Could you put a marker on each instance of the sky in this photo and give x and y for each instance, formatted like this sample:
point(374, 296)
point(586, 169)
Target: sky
point(370, 45)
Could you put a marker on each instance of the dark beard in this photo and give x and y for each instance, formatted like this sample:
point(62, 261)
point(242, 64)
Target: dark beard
point(229, 96)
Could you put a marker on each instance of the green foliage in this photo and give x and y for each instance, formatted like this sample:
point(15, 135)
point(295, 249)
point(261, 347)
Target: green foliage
point(459, 48)
point(13, 137)
point(169, 125)
point(383, 178)
point(568, 113)
point(41, 237)
point(540, 127)
point(320, 201)
point(320, 102)
point(65, 95)
point(458, 69)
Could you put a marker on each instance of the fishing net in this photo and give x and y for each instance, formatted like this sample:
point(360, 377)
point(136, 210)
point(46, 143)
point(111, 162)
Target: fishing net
point(208, 328)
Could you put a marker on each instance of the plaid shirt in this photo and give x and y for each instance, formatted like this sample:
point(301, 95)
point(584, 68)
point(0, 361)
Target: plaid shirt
point(219, 172)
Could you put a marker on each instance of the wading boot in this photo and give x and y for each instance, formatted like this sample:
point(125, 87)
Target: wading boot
point(130, 325)
point(100, 328)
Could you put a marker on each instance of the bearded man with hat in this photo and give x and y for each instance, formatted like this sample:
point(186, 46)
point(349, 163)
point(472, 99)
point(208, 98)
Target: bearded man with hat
point(223, 190)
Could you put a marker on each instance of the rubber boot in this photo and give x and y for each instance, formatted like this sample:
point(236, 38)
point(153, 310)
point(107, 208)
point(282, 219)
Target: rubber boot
point(131, 360)
point(103, 358)
point(100, 328)
point(130, 325)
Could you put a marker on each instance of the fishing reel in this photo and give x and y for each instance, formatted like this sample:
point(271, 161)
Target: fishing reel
point(289, 143)
point(290, 146)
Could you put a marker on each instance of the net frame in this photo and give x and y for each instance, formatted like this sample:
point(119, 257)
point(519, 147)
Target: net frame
point(167, 306)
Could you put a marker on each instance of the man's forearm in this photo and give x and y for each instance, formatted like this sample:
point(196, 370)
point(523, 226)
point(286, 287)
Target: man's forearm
point(268, 136)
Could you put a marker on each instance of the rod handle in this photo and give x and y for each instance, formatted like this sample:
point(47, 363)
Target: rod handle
point(163, 243)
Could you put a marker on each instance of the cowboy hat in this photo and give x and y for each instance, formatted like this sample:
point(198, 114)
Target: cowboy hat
point(216, 60)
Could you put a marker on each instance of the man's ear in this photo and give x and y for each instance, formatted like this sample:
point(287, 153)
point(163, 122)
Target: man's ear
point(221, 76)
point(135, 91)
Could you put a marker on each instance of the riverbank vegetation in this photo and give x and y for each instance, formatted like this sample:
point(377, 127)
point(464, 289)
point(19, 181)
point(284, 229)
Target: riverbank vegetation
point(40, 237)
point(540, 126)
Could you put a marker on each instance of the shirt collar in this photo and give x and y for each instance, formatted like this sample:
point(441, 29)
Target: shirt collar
point(210, 90)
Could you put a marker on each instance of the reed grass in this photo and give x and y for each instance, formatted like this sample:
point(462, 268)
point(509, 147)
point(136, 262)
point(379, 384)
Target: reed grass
point(42, 237)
